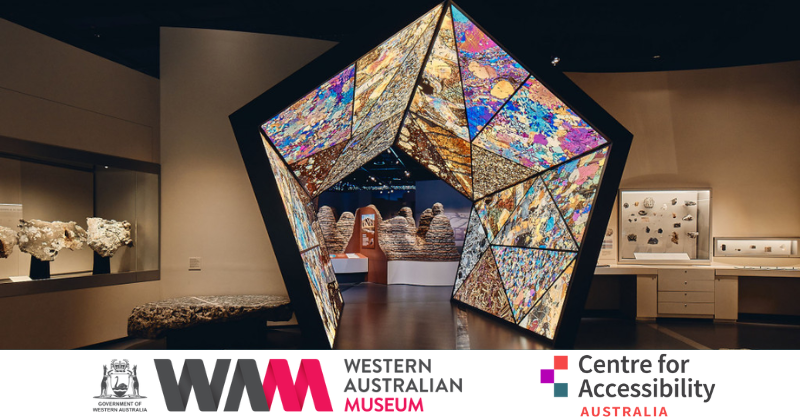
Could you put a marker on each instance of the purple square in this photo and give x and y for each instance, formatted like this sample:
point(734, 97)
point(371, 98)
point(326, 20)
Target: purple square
point(548, 376)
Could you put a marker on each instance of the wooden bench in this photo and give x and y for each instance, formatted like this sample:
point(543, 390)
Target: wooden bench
point(210, 322)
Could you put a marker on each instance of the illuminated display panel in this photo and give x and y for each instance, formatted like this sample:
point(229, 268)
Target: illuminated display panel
point(443, 91)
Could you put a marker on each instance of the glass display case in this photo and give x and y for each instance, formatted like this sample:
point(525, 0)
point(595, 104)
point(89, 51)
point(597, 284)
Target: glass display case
point(41, 185)
point(664, 226)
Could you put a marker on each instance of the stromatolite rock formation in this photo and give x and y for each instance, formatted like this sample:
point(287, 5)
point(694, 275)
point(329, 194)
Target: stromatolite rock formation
point(440, 243)
point(396, 239)
point(8, 238)
point(345, 226)
point(424, 223)
point(334, 240)
point(433, 240)
point(43, 240)
point(105, 236)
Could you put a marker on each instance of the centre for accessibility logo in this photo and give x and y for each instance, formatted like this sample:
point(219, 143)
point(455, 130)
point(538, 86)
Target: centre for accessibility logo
point(245, 378)
point(548, 376)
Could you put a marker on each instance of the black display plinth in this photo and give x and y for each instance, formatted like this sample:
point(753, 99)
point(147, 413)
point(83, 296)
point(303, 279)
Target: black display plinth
point(39, 269)
point(102, 265)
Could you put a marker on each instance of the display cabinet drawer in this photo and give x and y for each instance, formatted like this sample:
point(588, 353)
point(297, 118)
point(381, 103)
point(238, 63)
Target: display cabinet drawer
point(679, 285)
point(686, 274)
point(685, 297)
point(685, 308)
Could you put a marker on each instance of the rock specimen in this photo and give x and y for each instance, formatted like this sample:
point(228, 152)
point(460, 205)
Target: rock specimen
point(649, 202)
point(675, 238)
point(345, 226)
point(626, 205)
point(676, 225)
point(8, 238)
point(688, 218)
point(632, 237)
point(424, 223)
point(674, 201)
point(693, 235)
point(642, 212)
point(334, 240)
point(652, 241)
point(107, 236)
point(43, 240)
point(690, 203)
point(660, 230)
point(396, 239)
point(647, 229)
point(440, 243)
point(433, 240)
point(157, 319)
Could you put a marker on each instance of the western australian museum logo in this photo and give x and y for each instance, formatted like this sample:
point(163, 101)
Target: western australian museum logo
point(119, 389)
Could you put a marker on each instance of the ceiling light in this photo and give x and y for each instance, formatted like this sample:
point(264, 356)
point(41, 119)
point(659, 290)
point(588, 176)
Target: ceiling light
point(556, 60)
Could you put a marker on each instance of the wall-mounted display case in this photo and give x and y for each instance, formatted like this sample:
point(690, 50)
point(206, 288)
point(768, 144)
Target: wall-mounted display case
point(664, 226)
point(756, 247)
point(46, 183)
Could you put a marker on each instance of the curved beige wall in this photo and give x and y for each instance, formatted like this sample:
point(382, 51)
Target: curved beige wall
point(735, 130)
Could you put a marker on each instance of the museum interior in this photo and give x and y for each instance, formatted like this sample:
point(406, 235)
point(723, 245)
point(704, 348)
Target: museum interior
point(415, 175)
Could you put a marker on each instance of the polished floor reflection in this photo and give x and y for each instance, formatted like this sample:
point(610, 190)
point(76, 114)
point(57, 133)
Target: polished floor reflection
point(417, 317)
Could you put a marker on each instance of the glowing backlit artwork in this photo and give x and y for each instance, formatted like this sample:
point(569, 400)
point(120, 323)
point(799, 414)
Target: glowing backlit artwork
point(527, 273)
point(489, 74)
point(447, 94)
point(318, 121)
point(537, 130)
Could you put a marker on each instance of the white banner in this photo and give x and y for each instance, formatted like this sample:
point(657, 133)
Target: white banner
point(399, 384)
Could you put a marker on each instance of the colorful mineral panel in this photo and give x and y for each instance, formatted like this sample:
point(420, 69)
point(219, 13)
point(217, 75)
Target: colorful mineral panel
point(489, 74)
point(537, 130)
point(443, 91)
point(316, 122)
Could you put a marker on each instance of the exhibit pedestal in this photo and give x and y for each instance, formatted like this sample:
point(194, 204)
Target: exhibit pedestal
point(422, 273)
point(40, 270)
point(102, 265)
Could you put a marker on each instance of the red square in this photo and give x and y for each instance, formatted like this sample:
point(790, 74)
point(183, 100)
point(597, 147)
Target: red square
point(560, 362)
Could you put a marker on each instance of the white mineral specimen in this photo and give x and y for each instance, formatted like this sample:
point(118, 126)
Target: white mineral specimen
point(43, 240)
point(107, 236)
point(8, 238)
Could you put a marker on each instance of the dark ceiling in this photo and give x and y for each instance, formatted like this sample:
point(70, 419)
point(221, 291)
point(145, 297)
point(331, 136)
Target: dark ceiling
point(588, 35)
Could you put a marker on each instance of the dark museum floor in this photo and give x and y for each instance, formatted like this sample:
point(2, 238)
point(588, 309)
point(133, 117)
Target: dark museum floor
point(419, 317)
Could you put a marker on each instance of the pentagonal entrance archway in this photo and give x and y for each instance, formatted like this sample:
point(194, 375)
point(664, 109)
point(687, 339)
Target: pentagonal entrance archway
point(447, 94)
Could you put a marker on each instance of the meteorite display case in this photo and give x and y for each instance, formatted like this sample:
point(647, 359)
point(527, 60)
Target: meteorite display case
point(537, 158)
point(665, 226)
point(72, 219)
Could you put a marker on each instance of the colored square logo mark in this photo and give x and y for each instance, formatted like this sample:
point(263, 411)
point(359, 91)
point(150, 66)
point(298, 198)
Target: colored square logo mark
point(560, 390)
point(560, 362)
point(548, 376)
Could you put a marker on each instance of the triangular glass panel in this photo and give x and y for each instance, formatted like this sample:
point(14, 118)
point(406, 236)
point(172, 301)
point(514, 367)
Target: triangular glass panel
point(536, 223)
point(527, 273)
point(363, 148)
point(439, 96)
point(414, 142)
point(483, 289)
point(313, 170)
point(376, 70)
point(295, 200)
point(492, 172)
point(494, 210)
point(543, 319)
point(537, 130)
point(454, 150)
point(397, 96)
point(489, 74)
point(316, 122)
point(325, 289)
point(475, 244)
point(574, 186)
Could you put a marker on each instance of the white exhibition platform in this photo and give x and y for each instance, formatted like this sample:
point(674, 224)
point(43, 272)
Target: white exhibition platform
point(422, 273)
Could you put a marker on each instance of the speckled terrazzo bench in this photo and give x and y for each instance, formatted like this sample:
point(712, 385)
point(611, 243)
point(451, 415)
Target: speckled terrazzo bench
point(209, 322)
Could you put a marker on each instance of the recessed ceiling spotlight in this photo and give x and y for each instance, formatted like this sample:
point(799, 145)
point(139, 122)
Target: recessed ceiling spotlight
point(656, 56)
point(556, 60)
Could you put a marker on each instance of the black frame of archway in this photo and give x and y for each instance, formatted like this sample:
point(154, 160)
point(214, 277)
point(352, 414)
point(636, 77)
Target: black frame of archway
point(246, 123)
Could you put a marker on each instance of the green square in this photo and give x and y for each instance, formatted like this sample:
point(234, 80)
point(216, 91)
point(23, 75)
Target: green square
point(560, 390)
